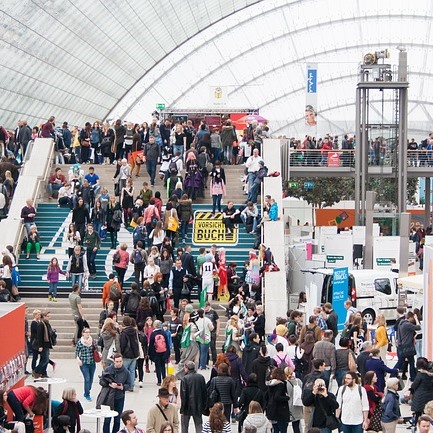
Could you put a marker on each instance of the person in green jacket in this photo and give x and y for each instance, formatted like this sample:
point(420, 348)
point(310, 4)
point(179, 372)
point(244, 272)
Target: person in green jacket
point(92, 241)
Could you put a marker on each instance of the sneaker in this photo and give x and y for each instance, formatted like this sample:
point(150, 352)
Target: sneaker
point(140, 384)
point(158, 384)
point(88, 398)
point(50, 298)
point(54, 299)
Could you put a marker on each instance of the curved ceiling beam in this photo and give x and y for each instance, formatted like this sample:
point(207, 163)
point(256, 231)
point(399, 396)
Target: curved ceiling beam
point(171, 52)
point(262, 44)
point(338, 106)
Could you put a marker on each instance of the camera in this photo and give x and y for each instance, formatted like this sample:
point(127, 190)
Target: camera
point(321, 388)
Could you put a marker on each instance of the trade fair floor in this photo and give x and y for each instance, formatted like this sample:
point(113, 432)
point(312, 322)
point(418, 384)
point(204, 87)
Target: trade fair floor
point(141, 399)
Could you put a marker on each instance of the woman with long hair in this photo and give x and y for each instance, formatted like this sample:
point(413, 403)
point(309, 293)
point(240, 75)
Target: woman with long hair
point(97, 217)
point(170, 383)
point(72, 238)
point(53, 272)
point(127, 201)
point(189, 350)
point(170, 215)
point(185, 215)
point(110, 337)
point(122, 265)
point(233, 334)
point(221, 358)
point(13, 426)
point(257, 419)
point(154, 254)
point(217, 190)
point(374, 401)
point(166, 427)
point(217, 422)
point(80, 216)
point(157, 235)
point(147, 330)
point(277, 409)
point(296, 412)
point(160, 294)
point(113, 219)
point(224, 386)
point(84, 355)
point(165, 266)
point(27, 401)
point(381, 336)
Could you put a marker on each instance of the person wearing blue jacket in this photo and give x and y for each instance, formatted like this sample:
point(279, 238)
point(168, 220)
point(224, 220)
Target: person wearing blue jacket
point(391, 406)
point(376, 364)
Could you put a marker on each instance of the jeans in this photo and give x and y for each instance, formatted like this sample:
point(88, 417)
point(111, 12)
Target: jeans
point(118, 407)
point(244, 220)
point(183, 229)
point(212, 345)
point(16, 407)
point(326, 374)
point(151, 169)
point(280, 427)
point(348, 428)
point(79, 325)
point(77, 279)
point(176, 348)
point(91, 256)
point(216, 154)
point(44, 357)
point(88, 371)
point(130, 365)
point(339, 375)
point(54, 187)
point(52, 291)
point(253, 192)
point(160, 367)
point(178, 148)
point(35, 357)
point(184, 423)
point(216, 201)
point(204, 351)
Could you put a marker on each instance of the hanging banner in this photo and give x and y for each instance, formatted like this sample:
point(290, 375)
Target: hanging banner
point(218, 96)
point(311, 96)
point(340, 290)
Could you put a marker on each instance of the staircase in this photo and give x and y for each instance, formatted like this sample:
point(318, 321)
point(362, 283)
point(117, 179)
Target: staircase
point(52, 222)
point(61, 320)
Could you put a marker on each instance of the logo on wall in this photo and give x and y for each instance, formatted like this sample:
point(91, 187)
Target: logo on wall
point(208, 230)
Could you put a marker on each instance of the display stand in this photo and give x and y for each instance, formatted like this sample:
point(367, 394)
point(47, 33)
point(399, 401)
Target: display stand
point(49, 381)
point(99, 414)
point(12, 353)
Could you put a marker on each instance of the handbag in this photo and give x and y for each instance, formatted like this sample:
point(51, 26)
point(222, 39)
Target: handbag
point(173, 224)
point(85, 143)
point(185, 290)
point(96, 354)
point(351, 363)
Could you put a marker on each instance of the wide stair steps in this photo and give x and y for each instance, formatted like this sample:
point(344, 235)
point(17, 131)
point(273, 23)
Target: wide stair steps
point(52, 222)
point(61, 320)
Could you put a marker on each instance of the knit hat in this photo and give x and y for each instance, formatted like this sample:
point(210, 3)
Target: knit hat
point(281, 330)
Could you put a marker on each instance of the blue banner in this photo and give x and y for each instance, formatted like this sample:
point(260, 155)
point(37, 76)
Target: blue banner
point(312, 80)
point(340, 283)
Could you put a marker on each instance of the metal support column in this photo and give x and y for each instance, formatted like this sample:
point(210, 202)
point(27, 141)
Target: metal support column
point(427, 204)
point(364, 153)
point(368, 253)
point(404, 243)
point(358, 135)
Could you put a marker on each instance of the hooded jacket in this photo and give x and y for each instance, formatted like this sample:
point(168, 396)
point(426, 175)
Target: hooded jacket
point(422, 390)
point(277, 408)
point(129, 343)
point(260, 367)
point(250, 353)
point(258, 420)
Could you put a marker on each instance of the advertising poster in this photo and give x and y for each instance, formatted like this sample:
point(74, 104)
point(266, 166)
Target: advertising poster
point(385, 249)
point(311, 97)
point(340, 278)
point(208, 230)
point(339, 251)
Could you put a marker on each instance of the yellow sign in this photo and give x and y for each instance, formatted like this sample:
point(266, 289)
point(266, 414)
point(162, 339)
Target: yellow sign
point(208, 229)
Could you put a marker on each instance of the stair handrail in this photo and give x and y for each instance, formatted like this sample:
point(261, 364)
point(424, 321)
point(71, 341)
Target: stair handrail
point(34, 174)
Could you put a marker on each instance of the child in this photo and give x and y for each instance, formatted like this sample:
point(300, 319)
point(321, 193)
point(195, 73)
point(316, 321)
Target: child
point(53, 272)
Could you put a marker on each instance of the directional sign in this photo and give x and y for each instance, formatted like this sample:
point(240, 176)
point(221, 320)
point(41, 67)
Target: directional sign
point(160, 106)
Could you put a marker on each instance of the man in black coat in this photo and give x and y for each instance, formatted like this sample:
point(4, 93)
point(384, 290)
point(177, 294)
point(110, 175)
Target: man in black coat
point(332, 320)
point(193, 396)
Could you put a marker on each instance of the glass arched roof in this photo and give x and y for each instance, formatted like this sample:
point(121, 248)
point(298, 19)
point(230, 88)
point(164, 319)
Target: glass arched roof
point(84, 60)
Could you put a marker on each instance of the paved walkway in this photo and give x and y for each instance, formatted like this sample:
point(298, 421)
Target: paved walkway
point(140, 400)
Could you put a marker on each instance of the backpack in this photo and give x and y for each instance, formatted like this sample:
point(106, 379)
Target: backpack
point(116, 257)
point(172, 167)
point(283, 363)
point(137, 257)
point(139, 234)
point(311, 331)
point(133, 302)
point(115, 294)
point(153, 302)
point(160, 343)
point(153, 219)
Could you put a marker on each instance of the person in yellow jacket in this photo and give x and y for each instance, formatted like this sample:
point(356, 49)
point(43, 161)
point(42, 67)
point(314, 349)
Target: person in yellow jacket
point(381, 336)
